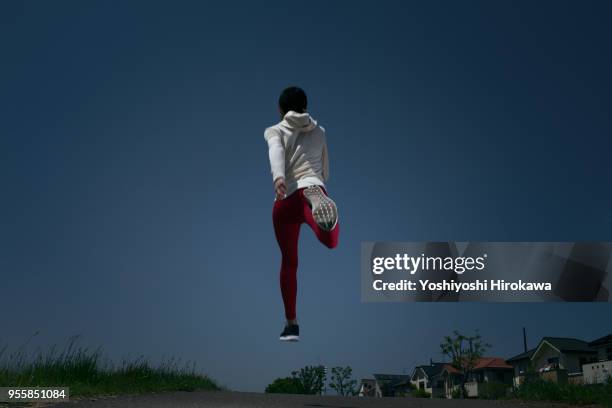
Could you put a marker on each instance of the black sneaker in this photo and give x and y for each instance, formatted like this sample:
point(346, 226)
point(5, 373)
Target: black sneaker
point(324, 210)
point(291, 333)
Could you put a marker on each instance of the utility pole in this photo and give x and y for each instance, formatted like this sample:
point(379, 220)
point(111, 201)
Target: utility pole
point(524, 340)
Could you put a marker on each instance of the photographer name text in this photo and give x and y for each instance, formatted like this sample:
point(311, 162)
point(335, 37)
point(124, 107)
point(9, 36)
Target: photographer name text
point(453, 286)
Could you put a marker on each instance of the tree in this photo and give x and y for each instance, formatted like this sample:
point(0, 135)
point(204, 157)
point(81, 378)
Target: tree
point(464, 352)
point(287, 385)
point(312, 378)
point(341, 381)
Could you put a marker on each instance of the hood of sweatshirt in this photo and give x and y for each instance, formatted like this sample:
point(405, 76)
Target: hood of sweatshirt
point(302, 122)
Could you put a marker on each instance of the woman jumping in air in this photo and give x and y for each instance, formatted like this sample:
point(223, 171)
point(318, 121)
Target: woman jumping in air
point(299, 161)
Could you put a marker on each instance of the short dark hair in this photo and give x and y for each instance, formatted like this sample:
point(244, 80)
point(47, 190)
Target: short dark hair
point(293, 99)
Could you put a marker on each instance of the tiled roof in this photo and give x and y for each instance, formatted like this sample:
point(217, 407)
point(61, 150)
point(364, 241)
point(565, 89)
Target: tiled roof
point(391, 377)
point(602, 340)
point(451, 369)
point(432, 369)
point(481, 364)
point(491, 362)
point(563, 344)
point(522, 356)
point(566, 344)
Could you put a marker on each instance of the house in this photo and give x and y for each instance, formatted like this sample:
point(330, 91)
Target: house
point(561, 352)
point(393, 385)
point(599, 371)
point(556, 359)
point(369, 388)
point(603, 347)
point(520, 364)
point(486, 370)
point(452, 379)
point(427, 377)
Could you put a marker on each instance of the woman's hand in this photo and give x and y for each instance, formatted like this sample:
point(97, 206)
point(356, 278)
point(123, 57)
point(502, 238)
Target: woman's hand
point(280, 188)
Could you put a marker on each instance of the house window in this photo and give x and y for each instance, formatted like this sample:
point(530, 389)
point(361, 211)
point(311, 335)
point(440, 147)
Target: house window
point(553, 360)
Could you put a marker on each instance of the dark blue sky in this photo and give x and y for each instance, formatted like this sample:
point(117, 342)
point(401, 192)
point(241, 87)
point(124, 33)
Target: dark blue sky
point(136, 200)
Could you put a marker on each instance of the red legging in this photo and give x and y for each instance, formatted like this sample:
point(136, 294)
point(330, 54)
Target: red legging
point(288, 215)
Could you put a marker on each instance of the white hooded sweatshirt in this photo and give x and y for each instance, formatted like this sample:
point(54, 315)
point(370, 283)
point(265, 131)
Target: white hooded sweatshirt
point(297, 148)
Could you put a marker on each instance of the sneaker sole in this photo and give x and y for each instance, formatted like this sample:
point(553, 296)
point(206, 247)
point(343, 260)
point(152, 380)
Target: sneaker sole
point(324, 209)
point(289, 338)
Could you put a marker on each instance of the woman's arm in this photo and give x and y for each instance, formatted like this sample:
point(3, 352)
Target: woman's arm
point(276, 153)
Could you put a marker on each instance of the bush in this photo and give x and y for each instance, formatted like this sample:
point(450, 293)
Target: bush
point(84, 371)
point(541, 390)
point(286, 385)
point(493, 390)
point(421, 393)
point(312, 378)
point(342, 382)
